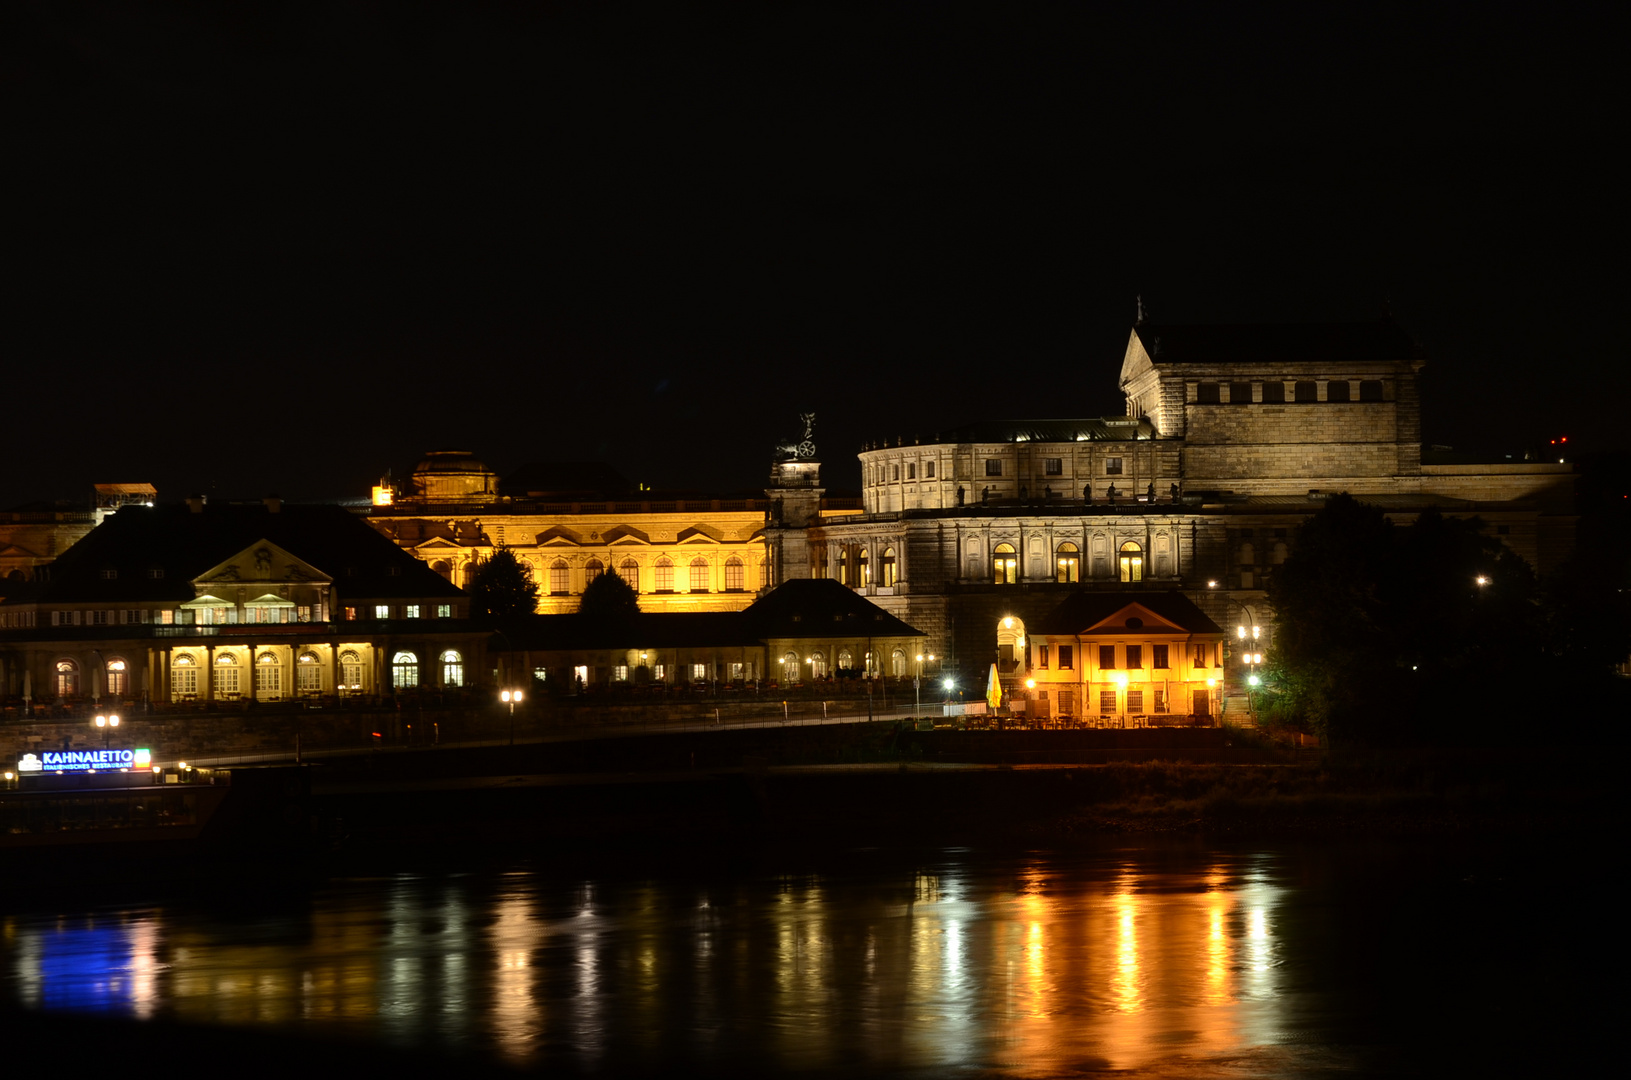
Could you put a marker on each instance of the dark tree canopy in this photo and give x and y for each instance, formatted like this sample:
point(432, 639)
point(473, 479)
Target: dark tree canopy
point(1393, 632)
point(609, 599)
point(503, 587)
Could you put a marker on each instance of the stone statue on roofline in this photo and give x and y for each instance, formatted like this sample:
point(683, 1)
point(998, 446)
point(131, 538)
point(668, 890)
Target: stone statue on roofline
point(800, 448)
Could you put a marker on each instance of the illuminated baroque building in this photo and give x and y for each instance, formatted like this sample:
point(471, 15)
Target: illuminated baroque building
point(257, 602)
point(1232, 436)
point(572, 522)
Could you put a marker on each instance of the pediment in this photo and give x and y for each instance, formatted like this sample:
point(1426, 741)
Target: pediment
point(699, 534)
point(559, 536)
point(625, 535)
point(262, 561)
point(438, 544)
point(1116, 623)
point(16, 551)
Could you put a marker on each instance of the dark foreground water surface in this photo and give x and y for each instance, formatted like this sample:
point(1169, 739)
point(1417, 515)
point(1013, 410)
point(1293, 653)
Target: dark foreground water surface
point(1168, 959)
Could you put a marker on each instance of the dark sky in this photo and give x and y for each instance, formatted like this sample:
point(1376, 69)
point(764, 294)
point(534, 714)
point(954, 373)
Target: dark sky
point(288, 246)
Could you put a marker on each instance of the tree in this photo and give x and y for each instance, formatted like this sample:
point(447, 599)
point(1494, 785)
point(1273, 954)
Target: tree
point(609, 601)
point(1390, 633)
point(503, 587)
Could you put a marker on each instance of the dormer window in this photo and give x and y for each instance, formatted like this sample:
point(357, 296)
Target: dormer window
point(155, 573)
point(394, 571)
point(109, 574)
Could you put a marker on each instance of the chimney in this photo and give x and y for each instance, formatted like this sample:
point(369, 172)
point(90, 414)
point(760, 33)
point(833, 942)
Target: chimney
point(274, 503)
point(195, 503)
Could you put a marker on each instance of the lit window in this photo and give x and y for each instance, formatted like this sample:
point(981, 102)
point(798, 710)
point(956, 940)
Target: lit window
point(897, 663)
point(1068, 567)
point(226, 674)
point(350, 671)
point(1132, 562)
point(699, 672)
point(620, 673)
point(452, 668)
point(382, 611)
point(183, 676)
point(865, 568)
point(268, 674)
point(888, 567)
point(411, 611)
point(308, 673)
point(118, 678)
point(404, 671)
point(351, 614)
point(67, 678)
point(444, 611)
point(1004, 565)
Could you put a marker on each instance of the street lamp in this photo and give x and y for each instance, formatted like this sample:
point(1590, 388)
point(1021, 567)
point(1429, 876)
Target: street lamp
point(512, 697)
point(1252, 659)
point(107, 724)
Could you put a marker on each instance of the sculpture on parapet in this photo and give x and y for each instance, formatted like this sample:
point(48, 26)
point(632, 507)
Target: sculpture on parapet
point(804, 448)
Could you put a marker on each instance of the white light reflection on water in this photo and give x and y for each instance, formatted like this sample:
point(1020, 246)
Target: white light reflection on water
point(1043, 967)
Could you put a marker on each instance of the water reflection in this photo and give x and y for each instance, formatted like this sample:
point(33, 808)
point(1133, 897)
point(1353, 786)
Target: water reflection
point(1035, 967)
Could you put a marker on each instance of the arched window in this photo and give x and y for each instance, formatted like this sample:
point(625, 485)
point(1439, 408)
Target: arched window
point(560, 578)
point(591, 570)
point(67, 678)
point(404, 671)
point(888, 569)
point(118, 678)
point(790, 667)
point(268, 674)
point(1132, 562)
point(897, 663)
point(846, 660)
point(308, 673)
point(764, 573)
point(1068, 566)
point(699, 574)
point(452, 668)
point(1247, 555)
point(350, 671)
point(735, 576)
point(864, 568)
point(665, 574)
point(1280, 553)
point(1004, 565)
point(629, 571)
point(818, 665)
point(444, 568)
point(226, 675)
point(183, 677)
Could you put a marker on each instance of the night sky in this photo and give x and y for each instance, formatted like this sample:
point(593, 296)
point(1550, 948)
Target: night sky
point(285, 247)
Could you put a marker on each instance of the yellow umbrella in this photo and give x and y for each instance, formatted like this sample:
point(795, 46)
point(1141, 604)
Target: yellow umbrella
point(993, 689)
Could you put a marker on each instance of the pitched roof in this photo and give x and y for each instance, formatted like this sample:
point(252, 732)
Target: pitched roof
point(1082, 610)
point(181, 544)
point(1278, 343)
point(821, 607)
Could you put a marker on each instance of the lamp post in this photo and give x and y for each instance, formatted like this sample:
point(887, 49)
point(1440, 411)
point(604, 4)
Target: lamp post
point(107, 724)
point(511, 697)
point(1252, 658)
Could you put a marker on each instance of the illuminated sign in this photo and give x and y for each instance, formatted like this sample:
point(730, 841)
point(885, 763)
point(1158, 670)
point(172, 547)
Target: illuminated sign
point(78, 761)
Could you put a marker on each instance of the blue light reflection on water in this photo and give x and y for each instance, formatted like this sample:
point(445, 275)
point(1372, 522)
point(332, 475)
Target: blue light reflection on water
point(1040, 965)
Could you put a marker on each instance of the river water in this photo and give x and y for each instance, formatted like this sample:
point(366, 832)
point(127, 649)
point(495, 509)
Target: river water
point(1170, 958)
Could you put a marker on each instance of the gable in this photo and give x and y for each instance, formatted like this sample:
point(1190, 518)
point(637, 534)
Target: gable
point(559, 536)
point(1135, 362)
point(1116, 623)
point(261, 561)
point(436, 544)
point(625, 535)
point(699, 534)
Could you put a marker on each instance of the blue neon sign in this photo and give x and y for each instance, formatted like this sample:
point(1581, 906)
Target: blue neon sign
point(66, 761)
